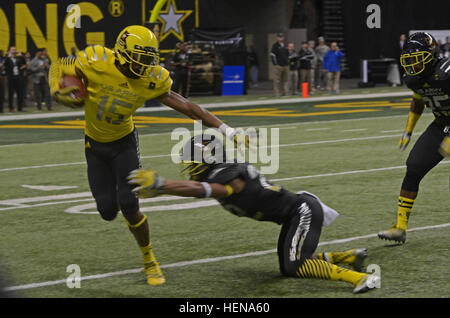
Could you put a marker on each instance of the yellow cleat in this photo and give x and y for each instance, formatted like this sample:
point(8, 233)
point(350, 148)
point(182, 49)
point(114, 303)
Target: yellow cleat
point(154, 274)
point(393, 234)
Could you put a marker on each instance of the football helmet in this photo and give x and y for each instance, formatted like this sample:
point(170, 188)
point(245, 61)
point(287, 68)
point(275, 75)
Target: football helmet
point(200, 153)
point(418, 51)
point(137, 46)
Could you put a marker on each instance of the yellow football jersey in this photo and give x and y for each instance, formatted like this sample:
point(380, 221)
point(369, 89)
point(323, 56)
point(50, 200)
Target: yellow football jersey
point(113, 98)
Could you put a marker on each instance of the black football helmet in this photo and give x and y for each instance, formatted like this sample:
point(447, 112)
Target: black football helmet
point(418, 51)
point(200, 153)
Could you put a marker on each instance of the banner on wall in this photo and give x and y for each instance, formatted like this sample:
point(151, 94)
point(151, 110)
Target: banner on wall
point(59, 25)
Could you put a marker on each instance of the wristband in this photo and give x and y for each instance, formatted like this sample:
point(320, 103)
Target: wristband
point(227, 130)
point(208, 189)
point(229, 190)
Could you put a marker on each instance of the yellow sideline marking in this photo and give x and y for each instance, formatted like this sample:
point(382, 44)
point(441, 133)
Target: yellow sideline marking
point(143, 121)
point(270, 112)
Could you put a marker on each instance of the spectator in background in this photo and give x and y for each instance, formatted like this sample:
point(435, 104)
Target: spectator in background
point(253, 65)
point(39, 67)
point(311, 47)
point(401, 42)
point(2, 83)
point(15, 66)
point(320, 74)
point(305, 64)
point(445, 48)
point(332, 64)
point(293, 69)
point(439, 44)
point(279, 54)
point(180, 62)
point(28, 85)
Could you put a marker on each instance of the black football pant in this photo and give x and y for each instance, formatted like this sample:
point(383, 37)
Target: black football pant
point(299, 236)
point(16, 84)
point(424, 156)
point(108, 167)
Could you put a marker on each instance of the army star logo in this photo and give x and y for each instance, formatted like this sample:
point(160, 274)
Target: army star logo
point(171, 19)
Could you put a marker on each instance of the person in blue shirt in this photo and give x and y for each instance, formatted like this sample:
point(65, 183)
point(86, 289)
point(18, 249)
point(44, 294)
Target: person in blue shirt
point(332, 65)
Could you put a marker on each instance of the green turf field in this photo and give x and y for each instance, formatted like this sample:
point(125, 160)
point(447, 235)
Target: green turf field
point(349, 159)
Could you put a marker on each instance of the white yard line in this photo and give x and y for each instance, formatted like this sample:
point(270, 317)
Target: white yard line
point(317, 129)
point(354, 130)
point(266, 126)
point(208, 260)
point(22, 203)
point(51, 165)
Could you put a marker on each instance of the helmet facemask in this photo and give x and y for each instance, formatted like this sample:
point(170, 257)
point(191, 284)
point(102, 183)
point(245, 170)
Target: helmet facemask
point(139, 60)
point(201, 153)
point(415, 63)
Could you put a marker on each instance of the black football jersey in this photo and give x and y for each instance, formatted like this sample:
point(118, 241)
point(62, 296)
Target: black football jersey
point(260, 199)
point(434, 90)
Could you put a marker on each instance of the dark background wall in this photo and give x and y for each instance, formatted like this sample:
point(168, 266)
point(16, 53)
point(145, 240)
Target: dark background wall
point(258, 17)
point(397, 17)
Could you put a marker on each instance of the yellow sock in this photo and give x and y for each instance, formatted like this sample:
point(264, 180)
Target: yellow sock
point(316, 268)
point(404, 209)
point(346, 257)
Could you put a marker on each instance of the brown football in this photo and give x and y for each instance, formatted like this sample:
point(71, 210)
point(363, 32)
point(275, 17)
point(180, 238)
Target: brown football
point(69, 80)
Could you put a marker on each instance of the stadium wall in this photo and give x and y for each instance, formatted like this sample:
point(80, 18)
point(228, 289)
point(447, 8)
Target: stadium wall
point(397, 17)
point(31, 24)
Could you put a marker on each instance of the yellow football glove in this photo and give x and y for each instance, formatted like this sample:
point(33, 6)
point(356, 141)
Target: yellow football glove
point(65, 96)
point(239, 139)
point(444, 149)
point(148, 182)
point(404, 140)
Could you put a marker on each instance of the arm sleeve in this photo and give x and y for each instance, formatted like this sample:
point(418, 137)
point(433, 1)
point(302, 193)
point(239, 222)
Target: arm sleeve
point(62, 66)
point(413, 118)
point(417, 96)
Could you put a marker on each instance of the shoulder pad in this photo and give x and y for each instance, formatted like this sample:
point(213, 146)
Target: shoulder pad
point(442, 71)
point(160, 76)
point(224, 173)
point(93, 55)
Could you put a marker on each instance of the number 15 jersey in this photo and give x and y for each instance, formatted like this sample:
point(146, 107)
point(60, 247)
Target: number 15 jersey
point(112, 98)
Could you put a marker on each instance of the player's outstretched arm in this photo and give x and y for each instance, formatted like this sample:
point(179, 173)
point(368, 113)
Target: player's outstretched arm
point(194, 111)
point(415, 111)
point(149, 184)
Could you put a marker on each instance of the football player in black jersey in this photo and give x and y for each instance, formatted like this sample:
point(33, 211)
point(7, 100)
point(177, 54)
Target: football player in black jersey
point(242, 190)
point(428, 76)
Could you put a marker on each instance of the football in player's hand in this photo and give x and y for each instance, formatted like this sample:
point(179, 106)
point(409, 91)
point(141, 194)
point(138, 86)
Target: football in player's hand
point(68, 81)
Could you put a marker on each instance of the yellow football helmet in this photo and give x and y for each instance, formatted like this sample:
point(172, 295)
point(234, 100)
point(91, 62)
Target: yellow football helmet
point(137, 46)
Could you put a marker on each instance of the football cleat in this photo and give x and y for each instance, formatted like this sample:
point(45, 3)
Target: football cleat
point(360, 255)
point(154, 274)
point(367, 283)
point(393, 234)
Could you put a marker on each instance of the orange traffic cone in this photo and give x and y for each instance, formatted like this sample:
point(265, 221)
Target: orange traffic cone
point(305, 89)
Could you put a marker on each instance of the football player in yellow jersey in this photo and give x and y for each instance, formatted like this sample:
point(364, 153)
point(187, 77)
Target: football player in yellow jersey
point(118, 82)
